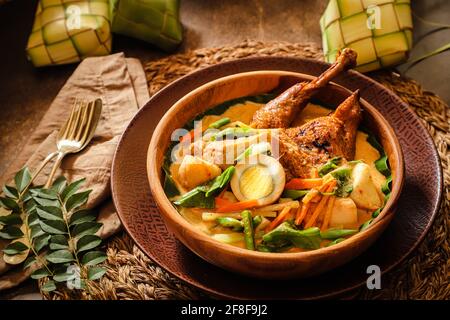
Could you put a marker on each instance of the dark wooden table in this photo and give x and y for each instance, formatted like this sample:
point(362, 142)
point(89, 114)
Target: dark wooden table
point(26, 92)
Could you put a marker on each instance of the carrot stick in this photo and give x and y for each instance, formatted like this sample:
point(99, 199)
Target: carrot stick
point(220, 202)
point(238, 206)
point(323, 188)
point(326, 219)
point(327, 186)
point(222, 193)
point(310, 195)
point(301, 213)
point(321, 205)
point(316, 212)
point(300, 184)
point(279, 219)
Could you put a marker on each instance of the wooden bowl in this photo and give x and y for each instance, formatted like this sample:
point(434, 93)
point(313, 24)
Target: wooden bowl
point(254, 263)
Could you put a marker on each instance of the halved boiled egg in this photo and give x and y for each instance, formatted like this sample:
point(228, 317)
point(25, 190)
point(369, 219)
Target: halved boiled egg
point(258, 177)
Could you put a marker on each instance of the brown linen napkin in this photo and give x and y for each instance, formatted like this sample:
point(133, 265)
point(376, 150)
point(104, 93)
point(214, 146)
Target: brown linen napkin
point(121, 83)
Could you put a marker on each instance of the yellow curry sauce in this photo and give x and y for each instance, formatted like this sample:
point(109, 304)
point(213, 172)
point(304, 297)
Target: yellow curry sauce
point(244, 112)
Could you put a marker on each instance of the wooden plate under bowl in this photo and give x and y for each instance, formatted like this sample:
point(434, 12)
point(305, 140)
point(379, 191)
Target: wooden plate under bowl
point(417, 205)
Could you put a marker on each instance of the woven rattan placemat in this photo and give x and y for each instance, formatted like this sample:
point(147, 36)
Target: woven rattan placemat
point(425, 275)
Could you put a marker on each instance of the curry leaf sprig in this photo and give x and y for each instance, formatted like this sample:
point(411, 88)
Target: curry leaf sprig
point(50, 232)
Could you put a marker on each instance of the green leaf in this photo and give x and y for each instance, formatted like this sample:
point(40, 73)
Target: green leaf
point(40, 273)
point(29, 262)
point(50, 213)
point(60, 256)
point(170, 188)
point(196, 198)
point(10, 192)
point(49, 286)
point(93, 257)
point(286, 233)
point(10, 232)
point(95, 273)
point(44, 202)
point(36, 231)
point(344, 184)
point(10, 204)
point(11, 219)
point(294, 194)
point(22, 179)
point(44, 194)
point(71, 189)
point(14, 248)
point(81, 216)
point(58, 242)
point(382, 165)
point(77, 200)
point(88, 242)
point(386, 187)
point(64, 276)
point(203, 196)
point(41, 242)
point(30, 206)
point(33, 219)
point(59, 184)
point(86, 228)
point(220, 182)
point(53, 226)
point(329, 166)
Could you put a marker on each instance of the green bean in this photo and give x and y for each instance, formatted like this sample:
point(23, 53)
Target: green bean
point(259, 148)
point(332, 243)
point(235, 132)
point(256, 221)
point(376, 213)
point(365, 225)
point(337, 233)
point(248, 229)
point(227, 222)
point(219, 123)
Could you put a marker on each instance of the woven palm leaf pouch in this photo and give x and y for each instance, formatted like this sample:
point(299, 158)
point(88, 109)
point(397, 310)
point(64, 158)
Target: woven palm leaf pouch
point(67, 31)
point(380, 31)
point(153, 21)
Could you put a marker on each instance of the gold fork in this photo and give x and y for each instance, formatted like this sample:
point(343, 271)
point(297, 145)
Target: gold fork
point(75, 134)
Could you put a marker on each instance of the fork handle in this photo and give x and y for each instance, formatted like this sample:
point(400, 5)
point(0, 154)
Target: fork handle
point(55, 167)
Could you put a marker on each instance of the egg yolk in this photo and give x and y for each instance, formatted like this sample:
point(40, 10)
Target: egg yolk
point(256, 182)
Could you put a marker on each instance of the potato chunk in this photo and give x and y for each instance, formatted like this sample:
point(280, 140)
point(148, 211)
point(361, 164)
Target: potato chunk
point(195, 171)
point(344, 214)
point(364, 193)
